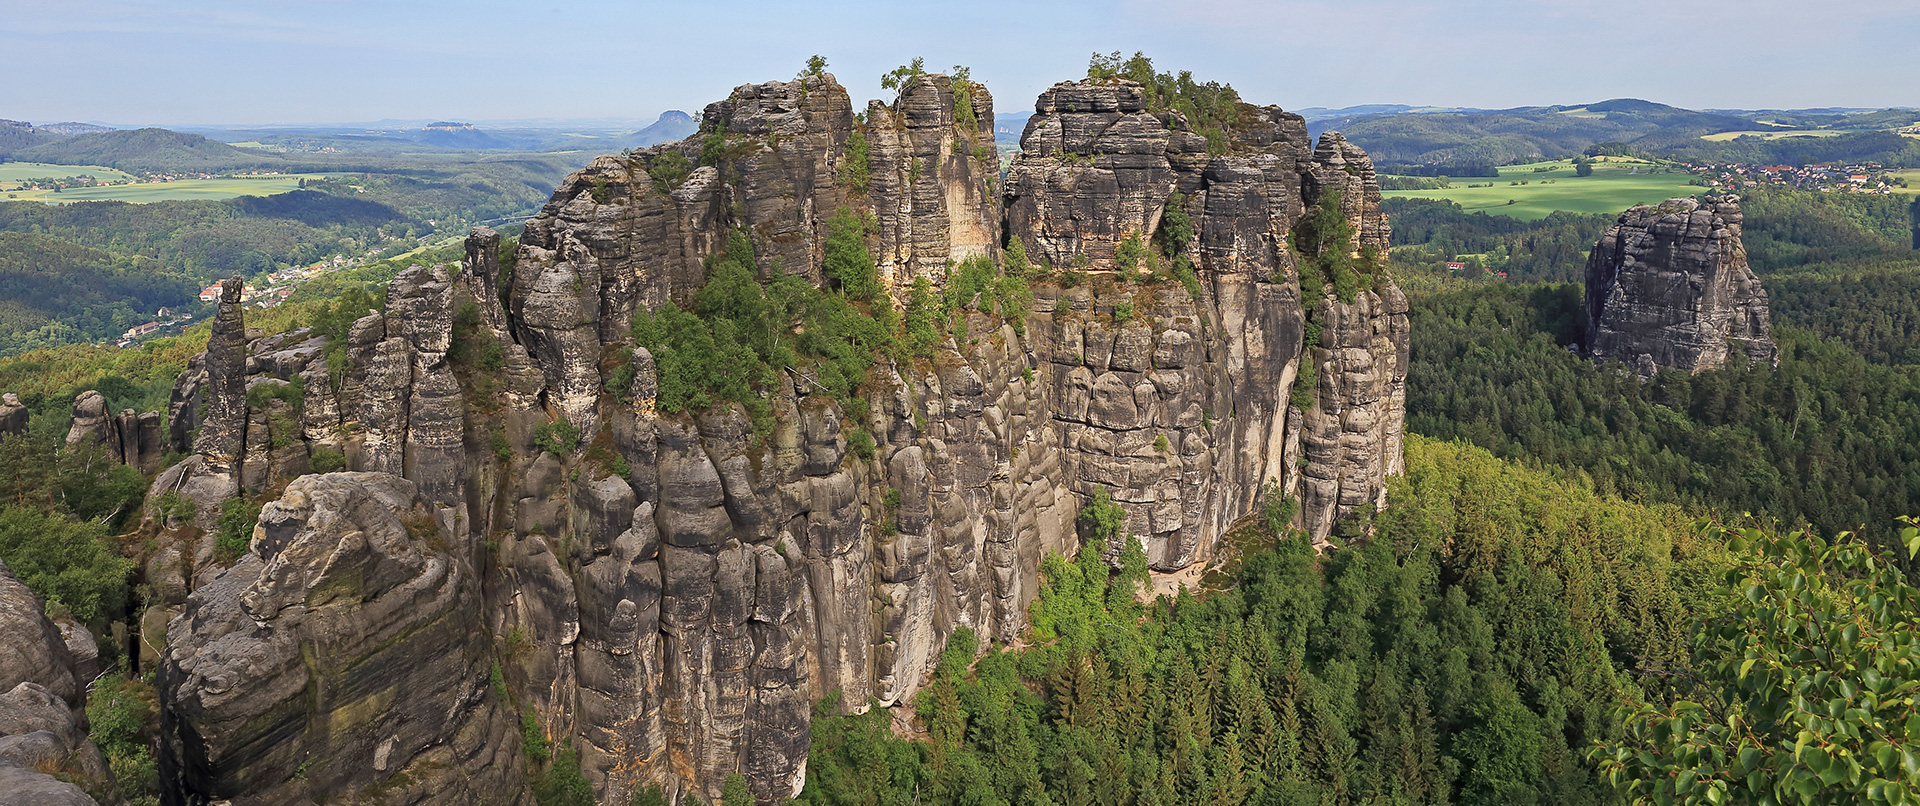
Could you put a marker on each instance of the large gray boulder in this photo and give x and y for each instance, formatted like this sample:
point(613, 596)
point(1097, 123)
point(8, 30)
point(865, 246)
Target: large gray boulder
point(42, 726)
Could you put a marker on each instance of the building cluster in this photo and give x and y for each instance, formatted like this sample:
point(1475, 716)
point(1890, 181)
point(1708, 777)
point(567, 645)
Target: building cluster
point(1868, 177)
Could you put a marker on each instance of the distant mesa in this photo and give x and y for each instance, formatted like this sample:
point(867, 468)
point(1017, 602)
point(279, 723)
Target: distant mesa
point(448, 125)
point(672, 125)
point(72, 128)
point(1669, 287)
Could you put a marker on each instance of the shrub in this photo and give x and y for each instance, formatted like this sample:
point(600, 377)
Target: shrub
point(558, 437)
point(861, 443)
point(234, 533)
point(668, 169)
point(854, 168)
point(118, 711)
point(326, 460)
point(847, 264)
point(563, 784)
point(67, 561)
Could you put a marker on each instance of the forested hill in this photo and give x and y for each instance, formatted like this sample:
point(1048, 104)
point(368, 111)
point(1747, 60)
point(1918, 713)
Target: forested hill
point(146, 151)
point(1518, 135)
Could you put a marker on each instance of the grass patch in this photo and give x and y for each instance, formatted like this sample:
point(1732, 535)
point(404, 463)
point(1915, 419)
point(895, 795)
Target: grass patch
point(1616, 184)
point(143, 192)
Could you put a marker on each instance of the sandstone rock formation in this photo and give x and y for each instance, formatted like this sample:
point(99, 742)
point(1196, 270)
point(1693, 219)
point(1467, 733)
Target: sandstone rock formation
point(671, 594)
point(13, 415)
point(42, 729)
point(341, 659)
point(130, 438)
point(1669, 286)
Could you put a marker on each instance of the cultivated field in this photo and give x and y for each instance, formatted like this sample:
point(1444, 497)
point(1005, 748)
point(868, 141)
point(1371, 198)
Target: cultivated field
point(13, 173)
point(1616, 184)
point(1721, 137)
point(223, 188)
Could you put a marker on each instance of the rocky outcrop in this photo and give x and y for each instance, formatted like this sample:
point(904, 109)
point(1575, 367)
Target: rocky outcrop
point(1669, 286)
point(13, 415)
point(671, 593)
point(42, 726)
point(342, 659)
point(222, 434)
point(130, 438)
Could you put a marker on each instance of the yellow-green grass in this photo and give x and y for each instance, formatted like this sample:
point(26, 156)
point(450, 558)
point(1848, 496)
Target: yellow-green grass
point(1912, 175)
point(13, 173)
point(1721, 137)
point(221, 188)
point(1613, 187)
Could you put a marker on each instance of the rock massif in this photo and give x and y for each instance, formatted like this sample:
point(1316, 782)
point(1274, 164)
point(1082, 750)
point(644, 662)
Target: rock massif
point(1669, 286)
point(668, 593)
point(42, 726)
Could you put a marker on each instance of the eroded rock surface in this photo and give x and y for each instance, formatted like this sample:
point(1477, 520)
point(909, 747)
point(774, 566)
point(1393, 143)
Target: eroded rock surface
point(342, 658)
point(1669, 286)
point(673, 592)
point(42, 726)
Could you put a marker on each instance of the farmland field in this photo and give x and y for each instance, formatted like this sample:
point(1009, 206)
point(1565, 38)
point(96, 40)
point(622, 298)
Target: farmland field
point(1722, 137)
point(1616, 184)
point(222, 188)
point(13, 173)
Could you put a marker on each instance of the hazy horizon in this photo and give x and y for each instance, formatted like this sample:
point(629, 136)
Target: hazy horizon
point(229, 64)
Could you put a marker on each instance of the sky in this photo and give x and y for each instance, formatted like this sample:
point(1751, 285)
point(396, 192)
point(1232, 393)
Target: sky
point(219, 62)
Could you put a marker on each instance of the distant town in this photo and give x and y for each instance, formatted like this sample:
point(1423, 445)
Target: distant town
point(1869, 177)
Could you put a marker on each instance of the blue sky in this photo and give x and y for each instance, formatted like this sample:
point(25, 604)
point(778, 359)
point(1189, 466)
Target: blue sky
point(279, 61)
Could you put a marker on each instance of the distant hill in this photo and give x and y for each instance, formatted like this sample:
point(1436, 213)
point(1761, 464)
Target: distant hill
point(145, 151)
point(672, 125)
point(56, 292)
point(1505, 136)
point(447, 134)
point(16, 135)
point(72, 128)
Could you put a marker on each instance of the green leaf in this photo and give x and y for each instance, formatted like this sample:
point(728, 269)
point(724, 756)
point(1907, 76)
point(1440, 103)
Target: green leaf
point(1746, 665)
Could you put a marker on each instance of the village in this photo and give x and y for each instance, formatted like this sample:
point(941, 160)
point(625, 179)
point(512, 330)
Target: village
point(280, 285)
point(1869, 177)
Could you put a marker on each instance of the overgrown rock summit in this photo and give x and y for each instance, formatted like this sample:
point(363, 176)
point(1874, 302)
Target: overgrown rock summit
point(1202, 322)
point(1669, 286)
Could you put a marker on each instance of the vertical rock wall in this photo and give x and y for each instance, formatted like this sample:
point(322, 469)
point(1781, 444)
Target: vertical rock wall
point(675, 621)
point(1669, 286)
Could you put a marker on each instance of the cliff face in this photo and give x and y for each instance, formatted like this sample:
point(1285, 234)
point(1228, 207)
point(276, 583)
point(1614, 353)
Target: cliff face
point(1669, 286)
point(672, 593)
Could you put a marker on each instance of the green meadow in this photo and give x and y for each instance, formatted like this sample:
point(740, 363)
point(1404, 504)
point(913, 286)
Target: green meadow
point(13, 173)
point(220, 188)
point(1616, 184)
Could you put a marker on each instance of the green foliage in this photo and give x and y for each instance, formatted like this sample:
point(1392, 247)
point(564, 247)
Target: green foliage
point(923, 318)
point(562, 783)
point(293, 393)
point(1461, 655)
point(904, 75)
point(1551, 249)
point(1583, 167)
point(323, 459)
point(860, 443)
point(652, 795)
point(743, 336)
point(233, 535)
point(846, 263)
point(1806, 687)
point(54, 292)
point(1161, 444)
point(1211, 109)
point(335, 322)
point(734, 791)
point(559, 437)
point(119, 710)
point(1324, 239)
point(963, 114)
point(1130, 255)
point(1306, 382)
point(533, 740)
point(1102, 520)
point(65, 561)
point(854, 163)
point(855, 760)
point(502, 449)
point(1018, 265)
point(1828, 439)
point(816, 67)
point(668, 169)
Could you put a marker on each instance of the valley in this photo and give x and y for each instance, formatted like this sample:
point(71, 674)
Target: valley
point(1154, 448)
